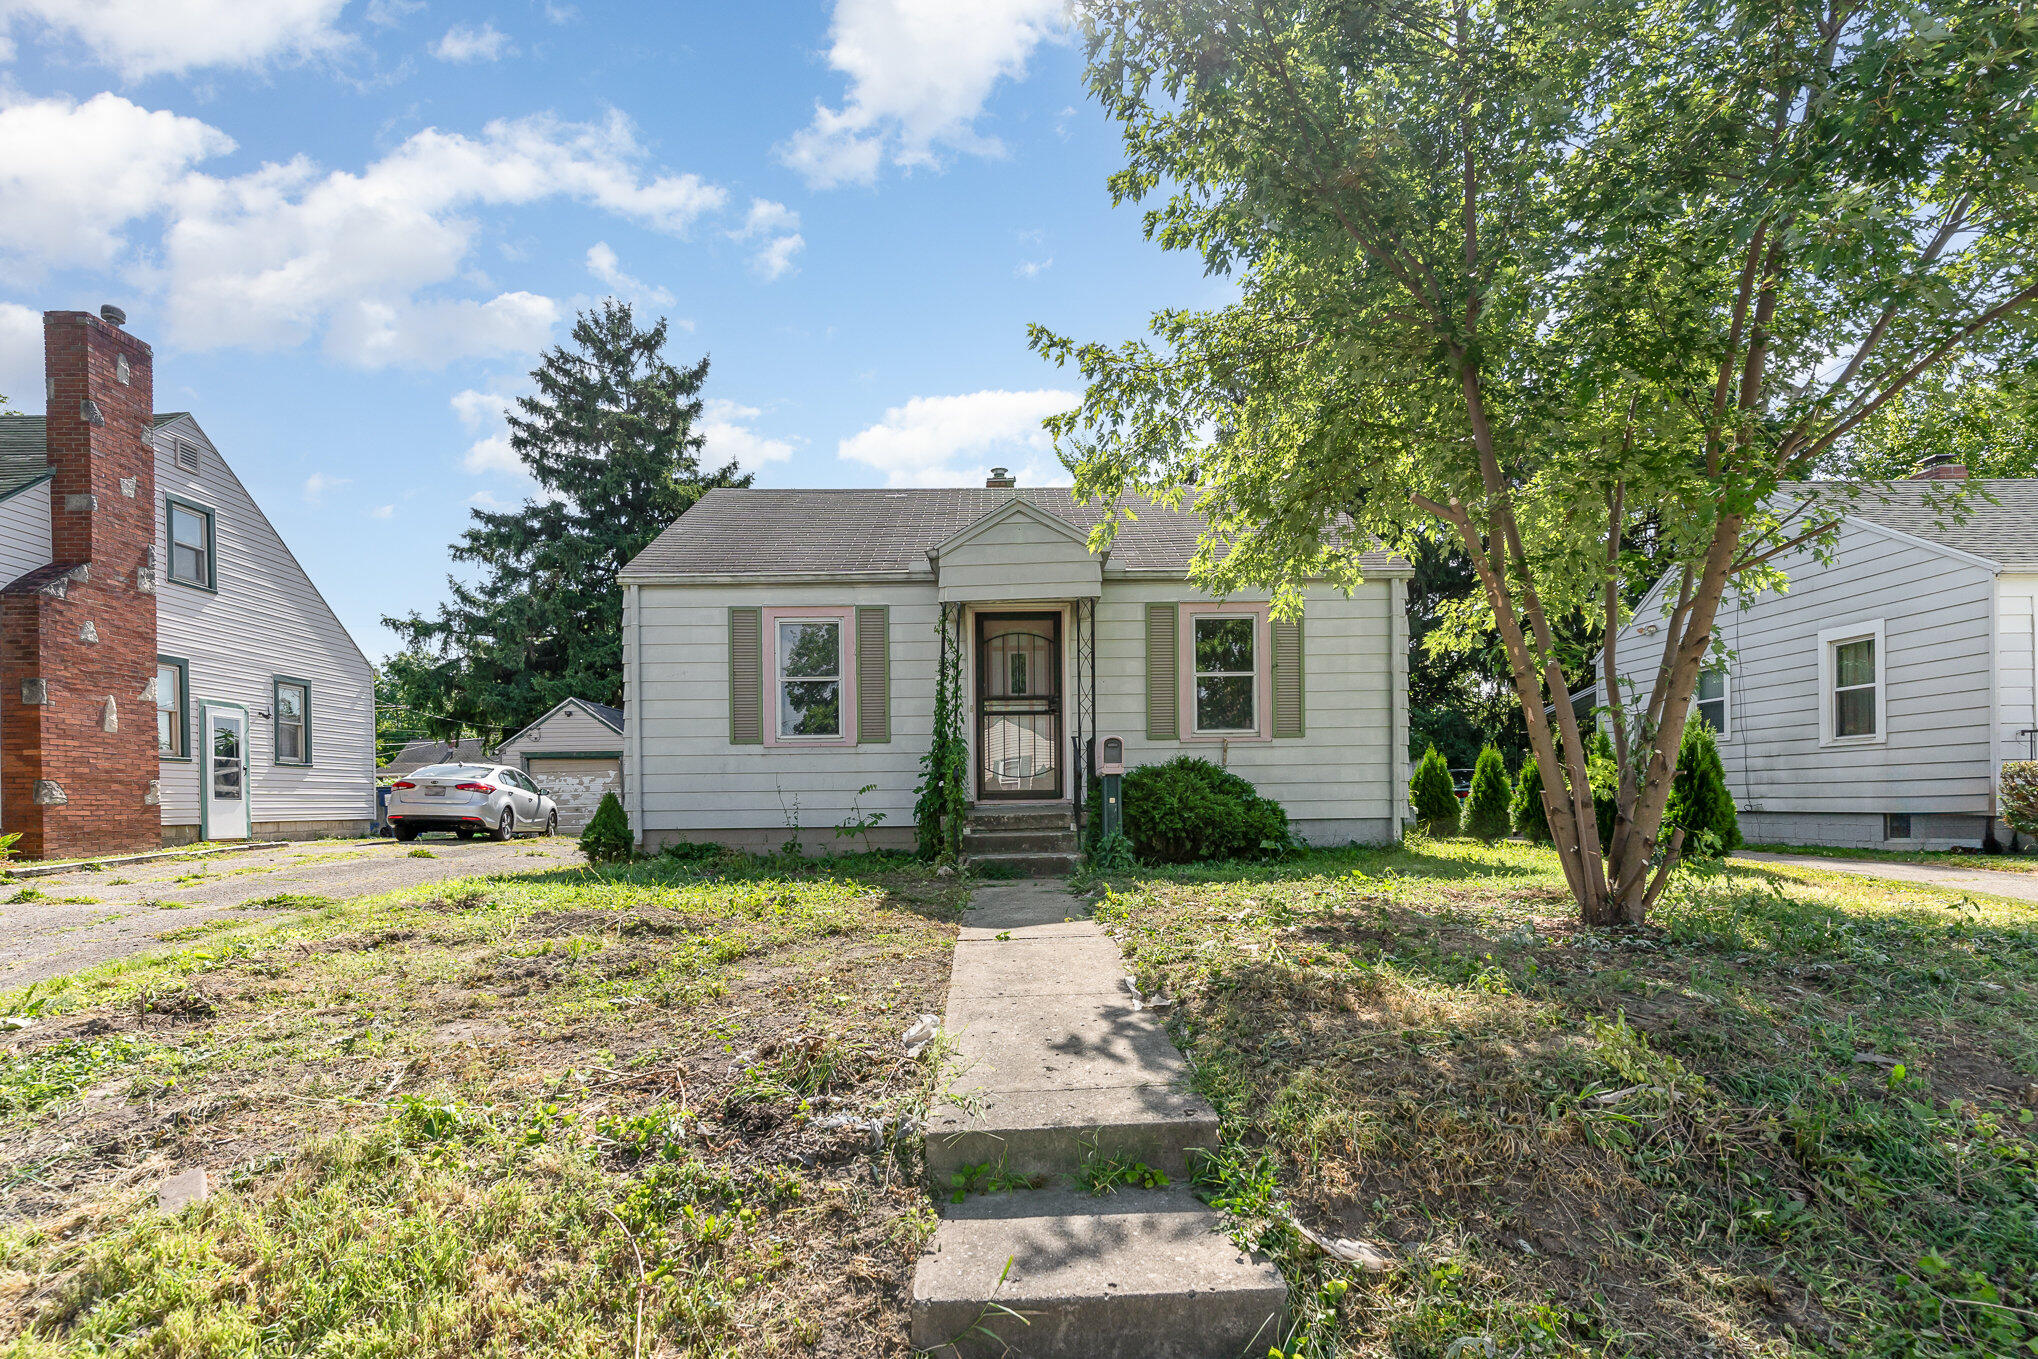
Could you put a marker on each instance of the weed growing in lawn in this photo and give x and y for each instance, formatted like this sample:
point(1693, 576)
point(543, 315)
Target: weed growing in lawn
point(1100, 1175)
point(421, 853)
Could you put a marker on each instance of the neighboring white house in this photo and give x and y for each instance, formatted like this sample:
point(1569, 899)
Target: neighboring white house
point(781, 652)
point(265, 722)
point(1874, 702)
point(575, 753)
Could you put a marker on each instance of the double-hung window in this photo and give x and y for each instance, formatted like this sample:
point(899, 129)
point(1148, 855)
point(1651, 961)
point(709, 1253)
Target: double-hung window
point(293, 722)
point(1851, 674)
point(191, 544)
point(809, 679)
point(1226, 654)
point(1712, 699)
point(173, 721)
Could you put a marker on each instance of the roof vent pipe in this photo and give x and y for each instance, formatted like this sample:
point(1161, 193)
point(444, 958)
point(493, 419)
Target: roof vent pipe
point(1000, 479)
point(112, 315)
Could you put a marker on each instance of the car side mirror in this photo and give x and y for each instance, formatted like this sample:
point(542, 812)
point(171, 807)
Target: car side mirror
point(546, 792)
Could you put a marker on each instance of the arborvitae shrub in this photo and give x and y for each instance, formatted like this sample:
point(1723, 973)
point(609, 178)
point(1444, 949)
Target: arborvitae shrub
point(1602, 770)
point(1699, 801)
point(1530, 818)
point(1485, 815)
point(607, 839)
point(1189, 809)
point(1431, 796)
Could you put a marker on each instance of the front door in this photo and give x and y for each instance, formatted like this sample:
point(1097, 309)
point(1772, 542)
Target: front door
point(1019, 705)
point(223, 771)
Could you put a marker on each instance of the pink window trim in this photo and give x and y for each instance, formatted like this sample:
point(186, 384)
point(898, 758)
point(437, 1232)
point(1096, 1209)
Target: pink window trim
point(1263, 670)
point(845, 615)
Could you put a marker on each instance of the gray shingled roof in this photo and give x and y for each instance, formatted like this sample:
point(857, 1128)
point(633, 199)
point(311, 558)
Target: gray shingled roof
point(844, 532)
point(1991, 517)
point(612, 716)
point(24, 447)
point(415, 755)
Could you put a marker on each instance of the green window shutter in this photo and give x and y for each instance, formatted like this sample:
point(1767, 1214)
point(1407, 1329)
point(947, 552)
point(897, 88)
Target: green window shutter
point(746, 677)
point(1163, 720)
point(1287, 677)
point(873, 674)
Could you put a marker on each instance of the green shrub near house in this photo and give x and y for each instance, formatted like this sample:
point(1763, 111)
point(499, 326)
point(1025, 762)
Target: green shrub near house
point(1188, 809)
point(1526, 812)
point(1431, 795)
point(607, 839)
point(1699, 801)
point(1485, 814)
point(2020, 796)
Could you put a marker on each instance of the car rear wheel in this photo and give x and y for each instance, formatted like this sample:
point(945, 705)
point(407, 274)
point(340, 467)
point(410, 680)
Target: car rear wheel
point(506, 827)
point(404, 834)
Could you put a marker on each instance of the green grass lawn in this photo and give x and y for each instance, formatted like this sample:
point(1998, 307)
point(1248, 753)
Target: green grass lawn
point(1797, 1118)
point(650, 1110)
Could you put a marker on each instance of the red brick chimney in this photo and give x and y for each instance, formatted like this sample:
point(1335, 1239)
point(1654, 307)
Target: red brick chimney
point(1940, 467)
point(78, 637)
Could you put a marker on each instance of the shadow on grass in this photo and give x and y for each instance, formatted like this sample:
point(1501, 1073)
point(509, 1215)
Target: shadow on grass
point(1412, 859)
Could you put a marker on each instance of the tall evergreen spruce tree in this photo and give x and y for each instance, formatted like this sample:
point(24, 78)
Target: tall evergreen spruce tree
point(610, 437)
point(1700, 804)
point(1485, 814)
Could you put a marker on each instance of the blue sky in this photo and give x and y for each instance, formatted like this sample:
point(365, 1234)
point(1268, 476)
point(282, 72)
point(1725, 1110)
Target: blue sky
point(349, 226)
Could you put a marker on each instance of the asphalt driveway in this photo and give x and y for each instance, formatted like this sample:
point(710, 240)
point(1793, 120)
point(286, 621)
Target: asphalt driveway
point(50, 926)
point(1999, 883)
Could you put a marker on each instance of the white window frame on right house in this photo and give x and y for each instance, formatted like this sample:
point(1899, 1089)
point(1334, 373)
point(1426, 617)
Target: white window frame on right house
point(1723, 730)
point(1830, 641)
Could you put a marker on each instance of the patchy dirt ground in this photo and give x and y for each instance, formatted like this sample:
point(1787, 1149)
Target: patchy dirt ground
point(530, 1114)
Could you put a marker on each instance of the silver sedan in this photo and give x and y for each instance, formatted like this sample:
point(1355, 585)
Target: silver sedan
point(469, 800)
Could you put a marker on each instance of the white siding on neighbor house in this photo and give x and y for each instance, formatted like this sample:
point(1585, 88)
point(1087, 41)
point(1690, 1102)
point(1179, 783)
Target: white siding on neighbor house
point(25, 531)
point(265, 620)
point(1019, 557)
point(1937, 613)
point(577, 785)
point(1344, 778)
point(2016, 665)
point(569, 729)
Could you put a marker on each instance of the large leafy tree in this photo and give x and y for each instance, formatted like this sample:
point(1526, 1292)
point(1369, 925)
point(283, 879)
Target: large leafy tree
point(1582, 284)
point(1987, 422)
point(609, 436)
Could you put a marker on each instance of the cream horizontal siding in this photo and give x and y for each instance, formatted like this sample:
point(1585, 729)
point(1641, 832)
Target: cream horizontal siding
point(571, 728)
point(1939, 665)
point(1020, 558)
point(266, 619)
point(2016, 665)
point(1347, 765)
point(24, 532)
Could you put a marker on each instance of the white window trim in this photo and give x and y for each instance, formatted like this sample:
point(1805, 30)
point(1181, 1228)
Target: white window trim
point(843, 617)
point(1725, 731)
point(1262, 672)
point(1831, 638)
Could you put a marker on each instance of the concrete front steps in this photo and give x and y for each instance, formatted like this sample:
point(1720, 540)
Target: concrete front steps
point(1052, 1066)
point(1022, 839)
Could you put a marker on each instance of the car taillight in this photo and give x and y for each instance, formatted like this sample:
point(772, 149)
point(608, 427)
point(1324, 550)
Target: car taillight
point(473, 787)
point(403, 783)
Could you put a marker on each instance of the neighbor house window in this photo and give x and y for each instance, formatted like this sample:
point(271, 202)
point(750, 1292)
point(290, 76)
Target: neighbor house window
point(191, 542)
point(1851, 675)
point(173, 718)
point(293, 722)
point(809, 663)
point(1712, 699)
point(1227, 673)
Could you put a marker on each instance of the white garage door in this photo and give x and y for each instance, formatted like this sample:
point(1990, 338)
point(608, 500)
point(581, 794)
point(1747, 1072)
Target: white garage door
point(577, 785)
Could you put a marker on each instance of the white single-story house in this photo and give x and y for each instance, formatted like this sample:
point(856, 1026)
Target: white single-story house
point(575, 753)
point(782, 650)
point(1874, 702)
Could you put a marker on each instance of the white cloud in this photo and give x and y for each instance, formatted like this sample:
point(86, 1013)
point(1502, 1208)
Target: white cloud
point(318, 483)
point(76, 176)
point(492, 454)
point(775, 228)
point(21, 359)
point(919, 73)
point(383, 511)
point(603, 264)
point(154, 37)
point(482, 412)
point(482, 500)
point(1033, 268)
point(389, 13)
point(465, 43)
point(954, 440)
point(725, 426)
point(287, 252)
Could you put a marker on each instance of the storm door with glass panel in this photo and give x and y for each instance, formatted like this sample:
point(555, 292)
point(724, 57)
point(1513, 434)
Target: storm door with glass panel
point(1019, 706)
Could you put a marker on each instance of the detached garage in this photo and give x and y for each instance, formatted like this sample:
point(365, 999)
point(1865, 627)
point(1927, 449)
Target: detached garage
point(574, 752)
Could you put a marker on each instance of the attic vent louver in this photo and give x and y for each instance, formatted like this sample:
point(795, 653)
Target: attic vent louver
point(187, 454)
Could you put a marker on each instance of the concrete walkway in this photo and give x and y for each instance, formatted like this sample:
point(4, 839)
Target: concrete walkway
point(1994, 882)
point(1053, 1066)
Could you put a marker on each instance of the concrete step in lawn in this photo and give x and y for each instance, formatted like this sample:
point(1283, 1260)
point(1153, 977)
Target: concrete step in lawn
point(1053, 1065)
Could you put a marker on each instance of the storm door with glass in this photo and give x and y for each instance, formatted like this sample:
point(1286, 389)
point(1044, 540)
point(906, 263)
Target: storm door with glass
point(1019, 706)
